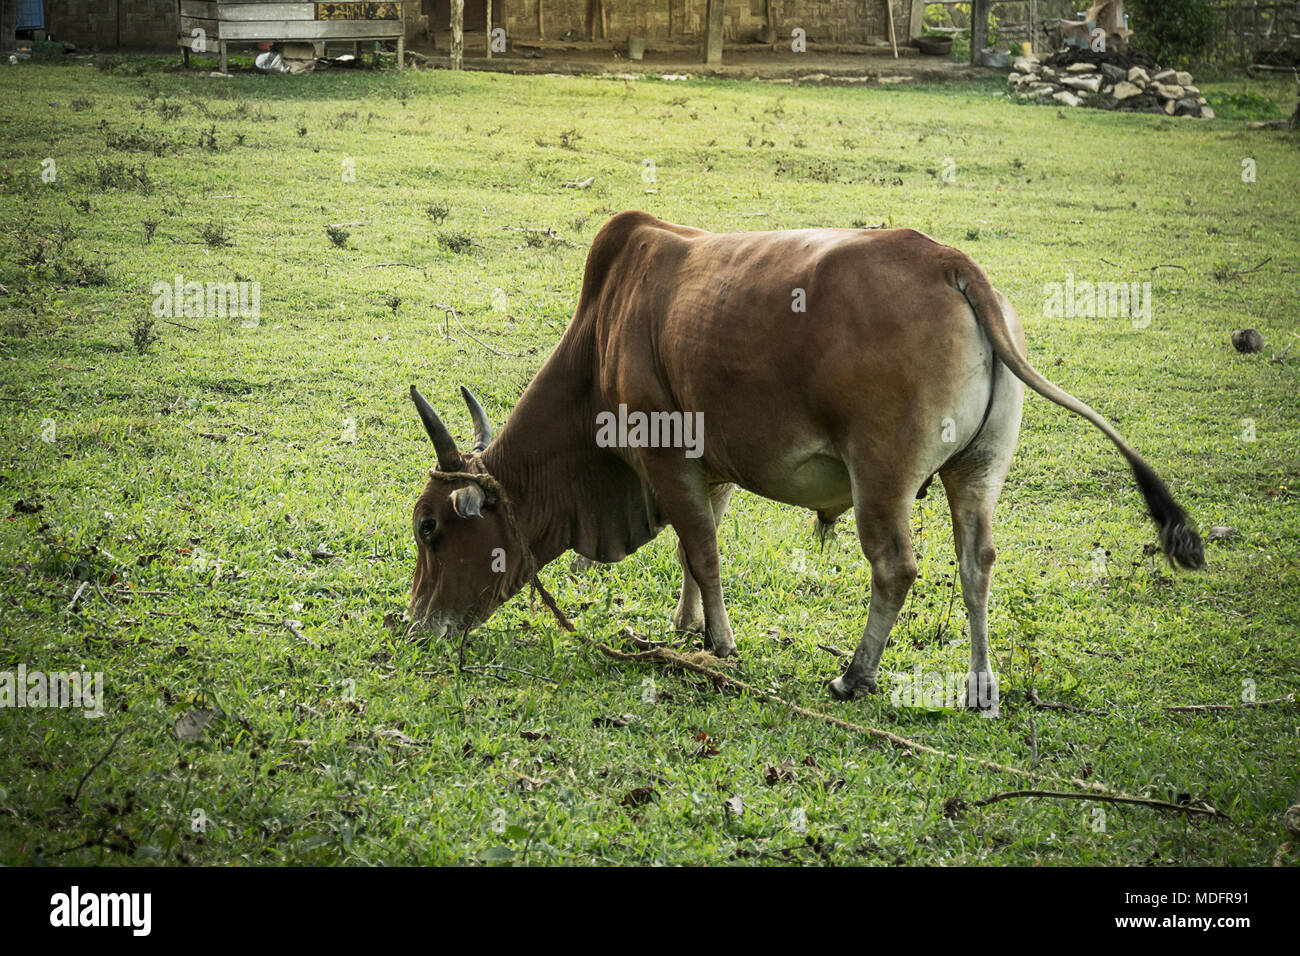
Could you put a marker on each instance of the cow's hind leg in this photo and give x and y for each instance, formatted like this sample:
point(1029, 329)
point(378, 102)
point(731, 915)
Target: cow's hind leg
point(973, 484)
point(972, 494)
point(689, 615)
point(886, 542)
point(971, 502)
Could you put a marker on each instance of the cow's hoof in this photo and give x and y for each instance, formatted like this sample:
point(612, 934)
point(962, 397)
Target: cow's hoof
point(720, 650)
point(718, 643)
point(981, 694)
point(688, 623)
point(842, 690)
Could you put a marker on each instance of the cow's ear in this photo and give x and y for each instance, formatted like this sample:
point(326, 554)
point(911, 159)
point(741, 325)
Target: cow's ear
point(468, 501)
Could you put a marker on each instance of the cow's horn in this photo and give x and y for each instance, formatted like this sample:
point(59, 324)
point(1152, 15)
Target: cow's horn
point(468, 501)
point(482, 427)
point(443, 443)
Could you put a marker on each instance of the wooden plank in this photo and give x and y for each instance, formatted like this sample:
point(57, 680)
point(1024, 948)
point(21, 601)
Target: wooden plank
point(186, 42)
point(713, 32)
point(315, 30)
point(199, 8)
point(302, 10)
point(457, 34)
point(914, 28)
point(211, 29)
point(261, 12)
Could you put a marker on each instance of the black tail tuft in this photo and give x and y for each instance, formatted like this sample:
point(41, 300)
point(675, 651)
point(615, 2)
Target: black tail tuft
point(1181, 544)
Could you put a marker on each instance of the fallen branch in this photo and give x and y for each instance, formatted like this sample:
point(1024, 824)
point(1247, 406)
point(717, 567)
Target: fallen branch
point(1047, 705)
point(1205, 808)
point(487, 668)
point(1238, 273)
point(451, 309)
point(1244, 705)
point(642, 642)
point(77, 596)
point(86, 776)
point(293, 627)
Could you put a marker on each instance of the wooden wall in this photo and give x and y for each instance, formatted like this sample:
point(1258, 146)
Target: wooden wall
point(151, 24)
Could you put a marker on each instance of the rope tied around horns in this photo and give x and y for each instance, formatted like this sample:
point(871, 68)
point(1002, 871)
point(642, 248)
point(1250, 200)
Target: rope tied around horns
point(1085, 790)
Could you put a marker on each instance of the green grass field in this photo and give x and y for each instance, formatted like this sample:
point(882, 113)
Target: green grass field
point(210, 478)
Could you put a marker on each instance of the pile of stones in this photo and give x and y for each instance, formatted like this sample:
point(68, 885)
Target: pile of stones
point(1110, 82)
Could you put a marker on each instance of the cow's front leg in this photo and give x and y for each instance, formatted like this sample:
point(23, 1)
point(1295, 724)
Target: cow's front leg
point(702, 555)
point(689, 615)
point(886, 543)
point(684, 496)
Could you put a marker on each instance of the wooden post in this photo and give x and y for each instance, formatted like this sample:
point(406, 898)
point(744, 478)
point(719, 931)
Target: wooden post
point(713, 32)
point(771, 24)
point(893, 39)
point(9, 26)
point(541, 26)
point(914, 28)
point(457, 34)
point(979, 29)
point(596, 19)
point(488, 54)
point(401, 50)
point(1033, 26)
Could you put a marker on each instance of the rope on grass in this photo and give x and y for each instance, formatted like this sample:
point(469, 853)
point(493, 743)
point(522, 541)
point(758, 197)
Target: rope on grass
point(672, 659)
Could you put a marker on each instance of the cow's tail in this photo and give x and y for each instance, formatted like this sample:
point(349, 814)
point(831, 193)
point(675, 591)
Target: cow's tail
point(1181, 544)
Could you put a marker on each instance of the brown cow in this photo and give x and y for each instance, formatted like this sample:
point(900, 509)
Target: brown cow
point(904, 363)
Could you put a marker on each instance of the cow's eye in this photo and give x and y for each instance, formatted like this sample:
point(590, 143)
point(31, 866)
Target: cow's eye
point(429, 532)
